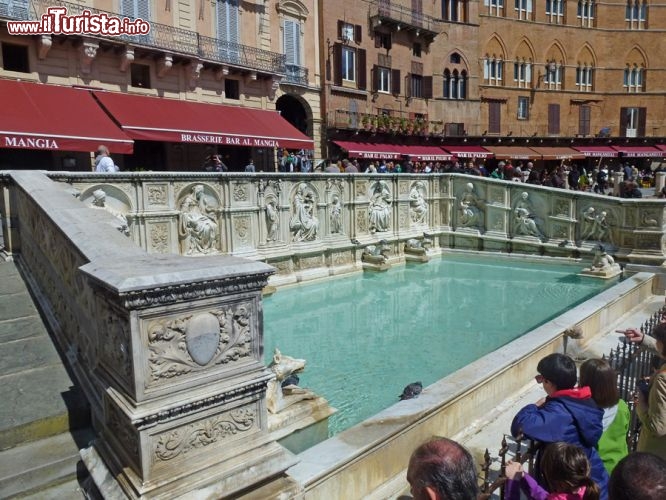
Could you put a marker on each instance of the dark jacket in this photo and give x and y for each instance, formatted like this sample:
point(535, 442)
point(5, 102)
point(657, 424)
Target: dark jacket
point(571, 416)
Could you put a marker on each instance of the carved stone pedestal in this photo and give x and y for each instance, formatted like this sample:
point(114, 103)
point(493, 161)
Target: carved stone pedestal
point(301, 425)
point(379, 264)
point(417, 257)
point(605, 273)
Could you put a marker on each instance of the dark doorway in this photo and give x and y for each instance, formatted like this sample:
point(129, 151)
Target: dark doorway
point(293, 111)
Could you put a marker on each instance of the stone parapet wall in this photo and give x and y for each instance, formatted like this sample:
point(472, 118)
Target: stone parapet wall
point(309, 226)
point(168, 350)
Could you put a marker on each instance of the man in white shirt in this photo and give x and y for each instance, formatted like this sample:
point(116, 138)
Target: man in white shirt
point(103, 162)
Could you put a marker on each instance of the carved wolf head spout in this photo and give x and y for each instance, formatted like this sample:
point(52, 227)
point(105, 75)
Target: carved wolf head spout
point(284, 365)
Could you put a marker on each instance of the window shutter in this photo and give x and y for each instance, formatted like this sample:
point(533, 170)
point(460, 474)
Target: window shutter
point(291, 45)
point(584, 120)
point(395, 81)
point(408, 85)
point(624, 120)
point(390, 42)
point(340, 25)
point(337, 64)
point(143, 10)
point(357, 33)
point(227, 20)
point(553, 118)
point(528, 73)
point(361, 70)
point(494, 117)
point(127, 8)
point(486, 69)
point(375, 78)
point(641, 122)
point(427, 87)
point(378, 40)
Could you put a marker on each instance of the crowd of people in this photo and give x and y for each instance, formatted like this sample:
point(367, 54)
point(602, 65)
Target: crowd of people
point(581, 428)
point(573, 176)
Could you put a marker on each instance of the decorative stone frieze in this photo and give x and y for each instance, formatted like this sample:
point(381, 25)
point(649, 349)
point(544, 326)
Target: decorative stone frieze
point(184, 441)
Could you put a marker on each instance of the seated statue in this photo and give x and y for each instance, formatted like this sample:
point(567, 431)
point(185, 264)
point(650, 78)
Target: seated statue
point(278, 397)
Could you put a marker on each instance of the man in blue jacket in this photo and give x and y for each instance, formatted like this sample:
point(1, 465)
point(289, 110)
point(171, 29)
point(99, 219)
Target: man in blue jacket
point(566, 414)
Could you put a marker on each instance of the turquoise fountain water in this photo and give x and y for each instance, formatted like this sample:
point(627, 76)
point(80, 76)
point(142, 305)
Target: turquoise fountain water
point(366, 336)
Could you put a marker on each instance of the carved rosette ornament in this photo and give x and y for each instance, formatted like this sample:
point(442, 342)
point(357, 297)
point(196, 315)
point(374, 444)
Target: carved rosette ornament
point(240, 192)
point(194, 342)
point(201, 434)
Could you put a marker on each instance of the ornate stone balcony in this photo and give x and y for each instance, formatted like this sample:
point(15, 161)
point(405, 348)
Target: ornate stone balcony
point(165, 38)
point(397, 17)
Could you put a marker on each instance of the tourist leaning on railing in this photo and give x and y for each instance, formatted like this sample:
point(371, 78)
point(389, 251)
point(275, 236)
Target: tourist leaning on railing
point(651, 403)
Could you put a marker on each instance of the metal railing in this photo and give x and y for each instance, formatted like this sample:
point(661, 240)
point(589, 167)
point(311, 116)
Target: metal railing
point(631, 362)
point(169, 38)
point(295, 74)
point(387, 10)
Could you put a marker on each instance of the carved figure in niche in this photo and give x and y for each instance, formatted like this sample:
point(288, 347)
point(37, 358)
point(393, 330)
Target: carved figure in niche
point(197, 229)
point(336, 215)
point(596, 226)
point(272, 220)
point(379, 209)
point(303, 223)
point(281, 391)
point(525, 220)
point(99, 201)
point(469, 213)
point(417, 203)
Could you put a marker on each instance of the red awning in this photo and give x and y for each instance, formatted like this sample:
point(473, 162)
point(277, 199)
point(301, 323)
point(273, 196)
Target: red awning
point(512, 152)
point(171, 120)
point(638, 151)
point(50, 117)
point(662, 147)
point(369, 150)
point(468, 151)
point(423, 153)
point(554, 153)
point(596, 151)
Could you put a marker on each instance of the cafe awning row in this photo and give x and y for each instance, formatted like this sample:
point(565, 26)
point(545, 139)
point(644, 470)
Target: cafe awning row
point(597, 151)
point(562, 153)
point(171, 120)
point(424, 153)
point(638, 151)
point(51, 117)
point(512, 153)
point(369, 151)
point(469, 152)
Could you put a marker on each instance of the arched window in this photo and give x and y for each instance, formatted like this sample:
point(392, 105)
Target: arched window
point(553, 76)
point(584, 76)
point(522, 74)
point(633, 79)
point(447, 84)
point(455, 84)
point(586, 13)
point(493, 71)
point(636, 14)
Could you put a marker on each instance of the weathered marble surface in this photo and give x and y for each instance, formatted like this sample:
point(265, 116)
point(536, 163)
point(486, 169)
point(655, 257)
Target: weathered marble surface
point(304, 224)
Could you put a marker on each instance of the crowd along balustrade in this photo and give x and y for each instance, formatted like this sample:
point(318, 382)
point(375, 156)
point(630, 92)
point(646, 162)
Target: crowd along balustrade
point(167, 343)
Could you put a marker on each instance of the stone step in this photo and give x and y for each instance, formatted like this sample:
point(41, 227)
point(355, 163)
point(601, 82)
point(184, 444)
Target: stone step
point(44, 469)
point(39, 398)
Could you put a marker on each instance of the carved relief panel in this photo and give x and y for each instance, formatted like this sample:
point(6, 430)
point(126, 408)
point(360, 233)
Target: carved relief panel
point(198, 226)
point(303, 221)
point(156, 196)
point(418, 204)
point(158, 237)
point(189, 343)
